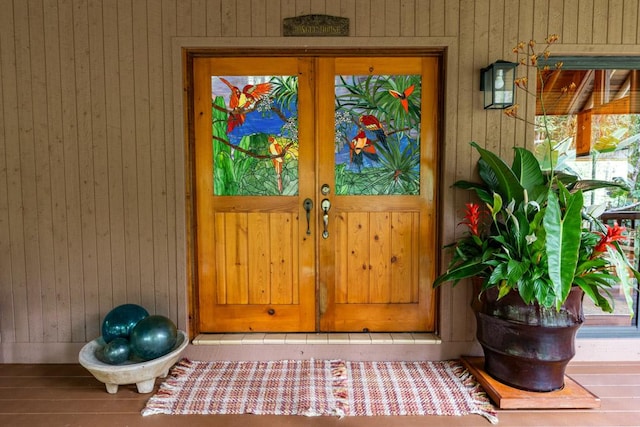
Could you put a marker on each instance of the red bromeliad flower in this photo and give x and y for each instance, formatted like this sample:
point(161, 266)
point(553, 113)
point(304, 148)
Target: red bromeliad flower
point(472, 217)
point(613, 234)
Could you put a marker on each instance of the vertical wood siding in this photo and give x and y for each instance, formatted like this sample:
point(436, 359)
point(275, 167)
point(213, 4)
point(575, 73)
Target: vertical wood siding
point(92, 197)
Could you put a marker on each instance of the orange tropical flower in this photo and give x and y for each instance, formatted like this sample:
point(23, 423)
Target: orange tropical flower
point(613, 234)
point(472, 218)
point(552, 38)
point(521, 82)
point(511, 111)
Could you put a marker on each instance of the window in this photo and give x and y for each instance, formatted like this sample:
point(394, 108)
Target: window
point(592, 109)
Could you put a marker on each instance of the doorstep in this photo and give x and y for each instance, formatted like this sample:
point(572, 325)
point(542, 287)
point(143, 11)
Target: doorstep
point(347, 346)
point(317, 339)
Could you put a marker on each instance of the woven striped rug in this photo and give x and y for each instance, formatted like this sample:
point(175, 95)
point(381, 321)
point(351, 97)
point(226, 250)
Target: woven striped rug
point(320, 387)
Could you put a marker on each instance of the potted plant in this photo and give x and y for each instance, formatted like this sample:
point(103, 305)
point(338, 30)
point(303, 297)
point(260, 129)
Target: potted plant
point(533, 251)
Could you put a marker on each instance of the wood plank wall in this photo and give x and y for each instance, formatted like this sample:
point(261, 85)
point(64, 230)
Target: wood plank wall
point(92, 187)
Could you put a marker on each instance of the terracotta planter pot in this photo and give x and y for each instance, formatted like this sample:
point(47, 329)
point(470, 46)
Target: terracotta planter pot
point(527, 346)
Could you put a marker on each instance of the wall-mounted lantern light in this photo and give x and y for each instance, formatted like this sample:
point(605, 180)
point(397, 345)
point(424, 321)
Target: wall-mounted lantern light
point(497, 81)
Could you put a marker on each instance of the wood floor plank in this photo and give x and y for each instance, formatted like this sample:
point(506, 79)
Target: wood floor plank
point(69, 393)
point(621, 368)
point(49, 381)
point(44, 370)
point(615, 391)
point(47, 406)
point(553, 419)
point(622, 404)
point(607, 379)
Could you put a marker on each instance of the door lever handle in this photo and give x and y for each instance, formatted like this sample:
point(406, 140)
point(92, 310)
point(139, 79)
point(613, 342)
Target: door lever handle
point(325, 205)
point(308, 205)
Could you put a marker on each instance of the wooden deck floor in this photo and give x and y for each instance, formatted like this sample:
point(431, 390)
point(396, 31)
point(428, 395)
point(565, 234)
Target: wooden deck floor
point(67, 395)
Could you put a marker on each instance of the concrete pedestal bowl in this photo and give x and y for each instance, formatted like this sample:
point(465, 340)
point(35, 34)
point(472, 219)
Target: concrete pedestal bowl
point(142, 374)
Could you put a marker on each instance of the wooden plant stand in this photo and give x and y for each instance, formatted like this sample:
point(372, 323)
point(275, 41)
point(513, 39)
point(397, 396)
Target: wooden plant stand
point(571, 396)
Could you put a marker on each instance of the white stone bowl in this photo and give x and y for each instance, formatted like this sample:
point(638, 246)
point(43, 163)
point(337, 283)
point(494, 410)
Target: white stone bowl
point(142, 374)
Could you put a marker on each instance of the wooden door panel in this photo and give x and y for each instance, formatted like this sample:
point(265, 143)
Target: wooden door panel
point(379, 255)
point(376, 251)
point(255, 263)
point(257, 267)
point(235, 239)
point(380, 251)
point(404, 263)
point(376, 318)
point(377, 278)
point(260, 280)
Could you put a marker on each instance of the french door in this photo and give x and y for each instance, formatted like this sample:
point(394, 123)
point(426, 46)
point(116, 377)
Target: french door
point(315, 191)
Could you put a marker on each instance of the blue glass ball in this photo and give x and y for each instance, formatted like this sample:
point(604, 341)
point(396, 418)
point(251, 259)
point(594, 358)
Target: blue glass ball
point(120, 321)
point(114, 352)
point(152, 337)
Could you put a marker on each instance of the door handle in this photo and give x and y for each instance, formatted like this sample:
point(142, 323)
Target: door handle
point(308, 205)
point(325, 205)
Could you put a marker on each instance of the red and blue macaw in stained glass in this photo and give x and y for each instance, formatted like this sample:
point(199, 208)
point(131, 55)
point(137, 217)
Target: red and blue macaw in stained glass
point(361, 146)
point(371, 123)
point(241, 102)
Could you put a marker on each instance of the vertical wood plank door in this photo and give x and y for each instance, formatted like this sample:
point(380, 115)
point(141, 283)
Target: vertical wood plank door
point(315, 192)
point(377, 259)
point(254, 165)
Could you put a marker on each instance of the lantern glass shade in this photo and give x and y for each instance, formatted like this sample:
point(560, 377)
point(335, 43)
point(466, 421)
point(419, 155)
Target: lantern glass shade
point(497, 81)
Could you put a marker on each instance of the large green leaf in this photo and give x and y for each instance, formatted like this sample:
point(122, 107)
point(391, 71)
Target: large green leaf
point(593, 292)
point(507, 183)
point(621, 263)
point(488, 175)
point(527, 169)
point(462, 271)
point(594, 184)
point(516, 269)
point(563, 229)
point(481, 190)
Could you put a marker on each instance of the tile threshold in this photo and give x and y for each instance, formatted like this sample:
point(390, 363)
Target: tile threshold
point(317, 339)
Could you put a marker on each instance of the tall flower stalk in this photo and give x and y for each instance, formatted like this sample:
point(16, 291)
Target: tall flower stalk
point(529, 55)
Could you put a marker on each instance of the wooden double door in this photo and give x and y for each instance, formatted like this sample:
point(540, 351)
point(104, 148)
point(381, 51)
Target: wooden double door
point(315, 193)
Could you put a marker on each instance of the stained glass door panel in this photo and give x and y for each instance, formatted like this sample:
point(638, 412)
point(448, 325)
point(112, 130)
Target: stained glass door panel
point(377, 134)
point(255, 135)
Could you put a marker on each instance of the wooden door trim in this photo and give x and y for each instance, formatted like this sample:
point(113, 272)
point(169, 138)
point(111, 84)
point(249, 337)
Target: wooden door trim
point(187, 55)
point(315, 52)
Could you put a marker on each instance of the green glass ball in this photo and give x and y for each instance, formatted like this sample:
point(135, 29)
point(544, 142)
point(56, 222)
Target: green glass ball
point(119, 322)
point(114, 352)
point(152, 337)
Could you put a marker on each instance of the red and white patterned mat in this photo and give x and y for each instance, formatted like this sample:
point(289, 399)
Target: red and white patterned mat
point(321, 387)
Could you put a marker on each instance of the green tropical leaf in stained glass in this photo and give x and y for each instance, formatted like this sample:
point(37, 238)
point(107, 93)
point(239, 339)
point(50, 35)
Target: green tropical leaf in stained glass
point(377, 134)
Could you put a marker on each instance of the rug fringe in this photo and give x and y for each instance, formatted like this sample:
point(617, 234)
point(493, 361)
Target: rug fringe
point(340, 387)
point(480, 398)
point(160, 402)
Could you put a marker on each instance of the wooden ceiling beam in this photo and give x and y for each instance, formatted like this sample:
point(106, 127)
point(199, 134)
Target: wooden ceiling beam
point(576, 96)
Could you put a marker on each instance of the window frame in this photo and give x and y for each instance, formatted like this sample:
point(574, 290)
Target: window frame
point(601, 62)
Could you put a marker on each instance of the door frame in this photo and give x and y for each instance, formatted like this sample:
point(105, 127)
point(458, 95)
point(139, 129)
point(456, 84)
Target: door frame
point(187, 56)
